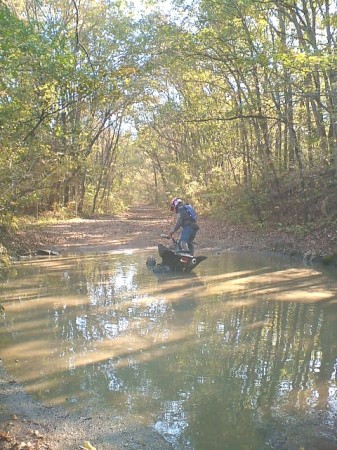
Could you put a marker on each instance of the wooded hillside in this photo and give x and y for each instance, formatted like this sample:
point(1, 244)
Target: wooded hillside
point(229, 103)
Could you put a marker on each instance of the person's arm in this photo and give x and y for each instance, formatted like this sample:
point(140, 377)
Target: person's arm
point(178, 224)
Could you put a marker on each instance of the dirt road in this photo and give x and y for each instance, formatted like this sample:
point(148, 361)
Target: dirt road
point(141, 227)
point(138, 228)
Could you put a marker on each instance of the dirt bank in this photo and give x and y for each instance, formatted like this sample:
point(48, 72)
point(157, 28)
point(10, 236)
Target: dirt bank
point(27, 425)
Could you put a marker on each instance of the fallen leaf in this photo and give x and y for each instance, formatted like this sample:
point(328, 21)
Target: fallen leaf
point(26, 446)
point(37, 434)
point(88, 446)
point(4, 436)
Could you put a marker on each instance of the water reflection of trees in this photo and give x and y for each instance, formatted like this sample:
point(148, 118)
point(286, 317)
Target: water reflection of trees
point(258, 361)
point(212, 366)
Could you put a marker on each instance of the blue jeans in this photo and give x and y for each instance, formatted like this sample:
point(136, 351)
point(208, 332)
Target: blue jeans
point(188, 234)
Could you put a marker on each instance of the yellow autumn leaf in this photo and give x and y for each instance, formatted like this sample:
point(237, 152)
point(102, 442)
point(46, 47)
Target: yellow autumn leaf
point(88, 446)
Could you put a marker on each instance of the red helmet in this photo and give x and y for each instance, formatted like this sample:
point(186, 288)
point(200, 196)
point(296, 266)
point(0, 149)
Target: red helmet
point(175, 202)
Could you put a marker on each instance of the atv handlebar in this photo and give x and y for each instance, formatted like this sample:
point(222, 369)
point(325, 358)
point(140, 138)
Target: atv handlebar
point(176, 242)
point(166, 236)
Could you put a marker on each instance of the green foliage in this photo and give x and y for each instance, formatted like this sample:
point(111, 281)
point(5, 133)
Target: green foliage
point(235, 112)
point(4, 263)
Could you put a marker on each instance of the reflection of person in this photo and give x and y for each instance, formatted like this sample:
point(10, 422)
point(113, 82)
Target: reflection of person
point(187, 220)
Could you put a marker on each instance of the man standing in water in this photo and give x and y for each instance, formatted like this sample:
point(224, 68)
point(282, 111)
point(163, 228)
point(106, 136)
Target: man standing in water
point(187, 220)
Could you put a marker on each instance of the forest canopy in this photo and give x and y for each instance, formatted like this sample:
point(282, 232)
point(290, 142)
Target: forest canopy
point(229, 103)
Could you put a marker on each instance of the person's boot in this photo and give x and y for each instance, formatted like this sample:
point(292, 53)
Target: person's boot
point(184, 246)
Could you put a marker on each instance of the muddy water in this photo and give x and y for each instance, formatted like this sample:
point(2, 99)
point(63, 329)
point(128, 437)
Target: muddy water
point(240, 355)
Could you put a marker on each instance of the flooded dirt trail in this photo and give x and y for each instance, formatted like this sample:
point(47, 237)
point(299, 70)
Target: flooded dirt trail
point(26, 424)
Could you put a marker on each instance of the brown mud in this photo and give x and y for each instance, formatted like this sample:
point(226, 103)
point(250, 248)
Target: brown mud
point(24, 424)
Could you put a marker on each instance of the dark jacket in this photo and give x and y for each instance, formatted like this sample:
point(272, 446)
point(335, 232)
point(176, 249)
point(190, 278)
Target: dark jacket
point(184, 219)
